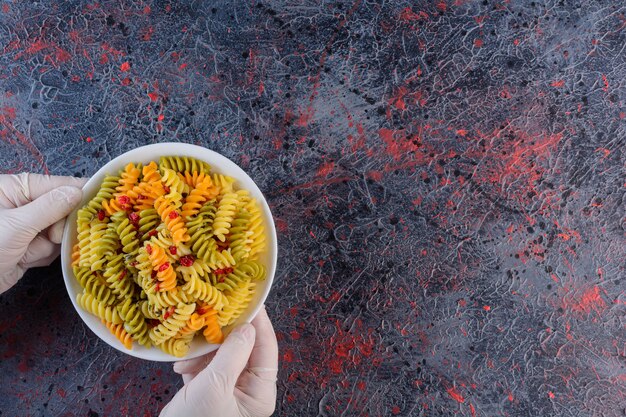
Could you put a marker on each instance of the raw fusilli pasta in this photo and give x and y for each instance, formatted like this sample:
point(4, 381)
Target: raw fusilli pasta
point(167, 251)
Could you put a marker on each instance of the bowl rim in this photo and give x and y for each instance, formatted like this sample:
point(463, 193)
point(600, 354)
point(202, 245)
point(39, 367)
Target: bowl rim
point(134, 155)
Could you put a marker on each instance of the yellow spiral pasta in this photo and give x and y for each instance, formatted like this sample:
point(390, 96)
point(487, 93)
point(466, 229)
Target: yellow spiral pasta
point(168, 251)
point(238, 300)
point(202, 290)
point(174, 251)
point(172, 323)
point(90, 304)
point(177, 346)
point(224, 183)
point(172, 182)
point(164, 299)
point(256, 227)
point(226, 210)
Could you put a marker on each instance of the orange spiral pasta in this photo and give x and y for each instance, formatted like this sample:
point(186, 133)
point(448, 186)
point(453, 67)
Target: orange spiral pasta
point(149, 189)
point(118, 331)
point(203, 192)
point(169, 251)
point(167, 209)
point(75, 255)
point(193, 179)
point(128, 179)
point(195, 323)
point(212, 332)
point(161, 264)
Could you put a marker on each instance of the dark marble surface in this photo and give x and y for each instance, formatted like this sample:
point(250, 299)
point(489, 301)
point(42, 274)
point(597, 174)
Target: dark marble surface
point(447, 178)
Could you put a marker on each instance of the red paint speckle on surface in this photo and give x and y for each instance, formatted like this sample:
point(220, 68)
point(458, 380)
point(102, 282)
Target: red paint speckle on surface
point(5, 8)
point(147, 33)
point(325, 169)
point(456, 396)
point(147, 10)
point(160, 117)
point(288, 356)
point(487, 308)
point(408, 15)
point(558, 83)
point(472, 410)
point(61, 392)
point(395, 410)
point(153, 96)
point(478, 43)
point(125, 66)
point(589, 301)
point(605, 81)
point(550, 394)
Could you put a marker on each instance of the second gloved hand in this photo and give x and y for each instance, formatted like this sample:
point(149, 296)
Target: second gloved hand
point(239, 380)
point(32, 212)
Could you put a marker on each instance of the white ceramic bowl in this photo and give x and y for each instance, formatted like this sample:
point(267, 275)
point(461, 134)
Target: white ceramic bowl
point(145, 154)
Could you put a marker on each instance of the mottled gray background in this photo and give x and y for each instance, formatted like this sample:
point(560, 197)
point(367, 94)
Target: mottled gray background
point(447, 179)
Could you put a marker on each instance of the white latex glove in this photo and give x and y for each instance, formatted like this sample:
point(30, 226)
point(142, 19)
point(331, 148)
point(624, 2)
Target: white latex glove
point(239, 380)
point(32, 215)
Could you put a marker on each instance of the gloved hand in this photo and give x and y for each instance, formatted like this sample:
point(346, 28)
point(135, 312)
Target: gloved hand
point(32, 215)
point(239, 381)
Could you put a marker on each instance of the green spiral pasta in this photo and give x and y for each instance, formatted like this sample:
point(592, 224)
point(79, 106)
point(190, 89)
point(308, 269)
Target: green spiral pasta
point(93, 285)
point(246, 271)
point(107, 189)
point(240, 236)
point(118, 277)
point(134, 322)
point(126, 231)
point(148, 221)
point(184, 164)
point(102, 243)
